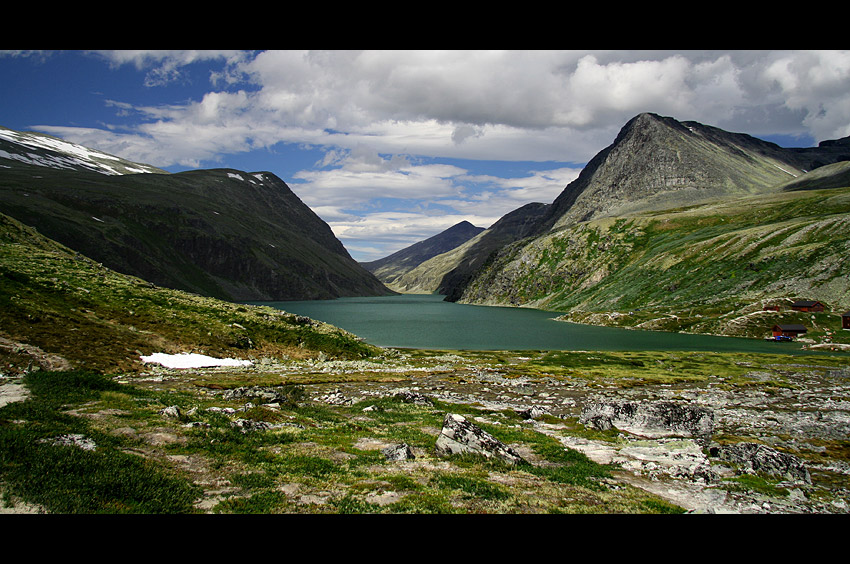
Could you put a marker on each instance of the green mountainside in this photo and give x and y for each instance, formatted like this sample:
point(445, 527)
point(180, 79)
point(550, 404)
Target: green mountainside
point(682, 226)
point(221, 233)
point(708, 268)
point(453, 269)
point(62, 310)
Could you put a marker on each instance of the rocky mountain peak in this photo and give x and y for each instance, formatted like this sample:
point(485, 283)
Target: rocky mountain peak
point(658, 162)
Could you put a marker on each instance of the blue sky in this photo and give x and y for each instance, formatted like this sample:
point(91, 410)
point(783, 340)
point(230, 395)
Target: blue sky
point(391, 147)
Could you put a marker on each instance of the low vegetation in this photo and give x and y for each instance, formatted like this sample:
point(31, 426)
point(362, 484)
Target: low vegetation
point(164, 441)
point(75, 309)
point(316, 458)
point(710, 268)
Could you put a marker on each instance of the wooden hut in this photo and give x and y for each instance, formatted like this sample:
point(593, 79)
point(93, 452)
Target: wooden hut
point(784, 332)
point(807, 305)
point(845, 320)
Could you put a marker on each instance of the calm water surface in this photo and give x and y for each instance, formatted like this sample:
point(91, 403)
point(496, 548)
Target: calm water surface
point(428, 322)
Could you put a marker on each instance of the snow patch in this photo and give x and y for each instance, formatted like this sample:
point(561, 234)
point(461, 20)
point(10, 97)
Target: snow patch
point(193, 360)
point(236, 176)
point(784, 170)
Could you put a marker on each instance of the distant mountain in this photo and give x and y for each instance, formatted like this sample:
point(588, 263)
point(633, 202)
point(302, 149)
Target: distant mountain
point(222, 233)
point(452, 269)
point(390, 268)
point(45, 150)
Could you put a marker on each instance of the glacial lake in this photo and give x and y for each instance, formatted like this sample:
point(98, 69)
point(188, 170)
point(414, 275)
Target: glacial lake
point(427, 322)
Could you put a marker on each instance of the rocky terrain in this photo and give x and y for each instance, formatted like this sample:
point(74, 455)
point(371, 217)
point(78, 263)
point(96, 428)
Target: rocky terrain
point(709, 433)
point(800, 409)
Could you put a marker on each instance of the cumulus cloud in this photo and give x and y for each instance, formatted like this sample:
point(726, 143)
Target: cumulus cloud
point(379, 115)
point(467, 103)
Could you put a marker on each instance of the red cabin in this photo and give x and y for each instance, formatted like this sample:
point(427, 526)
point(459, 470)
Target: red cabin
point(789, 331)
point(807, 305)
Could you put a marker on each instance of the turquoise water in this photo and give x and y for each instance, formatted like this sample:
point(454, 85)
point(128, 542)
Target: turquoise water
point(428, 322)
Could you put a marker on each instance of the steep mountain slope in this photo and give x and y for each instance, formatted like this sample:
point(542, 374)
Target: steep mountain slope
point(452, 269)
point(708, 268)
point(833, 175)
point(655, 164)
point(45, 150)
point(221, 233)
point(61, 310)
point(390, 268)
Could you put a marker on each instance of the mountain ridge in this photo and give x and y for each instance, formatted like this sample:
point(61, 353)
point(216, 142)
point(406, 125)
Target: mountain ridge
point(390, 268)
point(660, 167)
point(692, 264)
point(222, 233)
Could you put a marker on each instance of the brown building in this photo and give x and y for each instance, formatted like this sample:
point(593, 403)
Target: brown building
point(807, 305)
point(845, 320)
point(788, 331)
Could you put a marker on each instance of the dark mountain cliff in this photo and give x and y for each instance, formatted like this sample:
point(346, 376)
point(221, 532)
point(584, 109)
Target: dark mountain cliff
point(512, 227)
point(221, 233)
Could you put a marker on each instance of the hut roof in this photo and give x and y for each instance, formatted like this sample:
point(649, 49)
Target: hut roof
point(791, 327)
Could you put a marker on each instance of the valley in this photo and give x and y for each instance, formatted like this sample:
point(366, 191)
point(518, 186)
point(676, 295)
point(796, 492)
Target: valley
point(676, 227)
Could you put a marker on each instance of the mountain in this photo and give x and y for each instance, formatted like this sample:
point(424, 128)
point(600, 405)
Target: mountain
point(390, 268)
point(685, 227)
point(220, 232)
point(674, 220)
point(45, 150)
point(452, 269)
point(657, 163)
point(60, 310)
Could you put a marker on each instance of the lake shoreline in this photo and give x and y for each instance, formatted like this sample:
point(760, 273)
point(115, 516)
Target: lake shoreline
point(428, 322)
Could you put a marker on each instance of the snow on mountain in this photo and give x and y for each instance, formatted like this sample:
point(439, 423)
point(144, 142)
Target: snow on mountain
point(47, 151)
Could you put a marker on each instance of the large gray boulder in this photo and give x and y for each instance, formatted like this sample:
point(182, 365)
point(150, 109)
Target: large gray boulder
point(459, 436)
point(750, 458)
point(649, 419)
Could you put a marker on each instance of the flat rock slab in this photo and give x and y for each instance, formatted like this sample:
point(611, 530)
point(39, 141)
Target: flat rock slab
point(649, 419)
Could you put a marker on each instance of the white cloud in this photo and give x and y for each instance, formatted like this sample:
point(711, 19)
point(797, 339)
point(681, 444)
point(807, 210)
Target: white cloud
point(518, 105)
point(379, 114)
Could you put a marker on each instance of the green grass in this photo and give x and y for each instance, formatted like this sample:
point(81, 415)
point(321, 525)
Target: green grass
point(55, 299)
point(705, 264)
point(68, 479)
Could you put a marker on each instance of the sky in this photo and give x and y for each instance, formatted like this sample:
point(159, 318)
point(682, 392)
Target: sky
point(391, 147)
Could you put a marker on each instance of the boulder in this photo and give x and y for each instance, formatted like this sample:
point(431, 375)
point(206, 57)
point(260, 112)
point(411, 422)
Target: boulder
point(750, 458)
point(246, 425)
point(532, 412)
point(72, 439)
point(649, 419)
point(408, 396)
point(459, 436)
point(336, 397)
point(398, 452)
point(170, 411)
point(261, 393)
